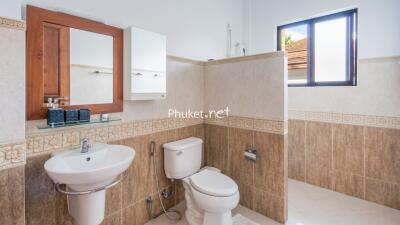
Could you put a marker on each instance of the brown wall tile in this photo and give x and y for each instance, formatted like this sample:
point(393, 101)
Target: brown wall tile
point(246, 195)
point(348, 183)
point(141, 214)
point(297, 150)
point(160, 139)
point(240, 140)
point(217, 147)
point(348, 151)
point(319, 154)
point(200, 132)
point(342, 157)
point(139, 176)
point(382, 149)
point(12, 202)
point(382, 193)
point(180, 192)
point(114, 219)
point(186, 132)
point(113, 200)
point(269, 205)
point(43, 204)
point(269, 170)
point(168, 203)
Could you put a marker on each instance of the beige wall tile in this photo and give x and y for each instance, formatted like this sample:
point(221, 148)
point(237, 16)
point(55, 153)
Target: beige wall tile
point(319, 154)
point(12, 201)
point(102, 134)
point(70, 139)
point(376, 93)
point(34, 144)
point(115, 133)
point(12, 85)
point(52, 142)
point(297, 149)
point(382, 154)
point(382, 193)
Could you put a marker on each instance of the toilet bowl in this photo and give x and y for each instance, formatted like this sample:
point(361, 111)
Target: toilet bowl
point(210, 195)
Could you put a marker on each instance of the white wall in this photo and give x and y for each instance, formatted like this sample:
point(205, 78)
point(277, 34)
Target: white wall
point(194, 29)
point(10, 9)
point(378, 33)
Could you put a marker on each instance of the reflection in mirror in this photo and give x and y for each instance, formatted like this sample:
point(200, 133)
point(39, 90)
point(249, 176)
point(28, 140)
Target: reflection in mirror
point(91, 68)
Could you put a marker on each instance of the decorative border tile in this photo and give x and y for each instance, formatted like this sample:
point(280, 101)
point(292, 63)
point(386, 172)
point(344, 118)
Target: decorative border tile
point(40, 143)
point(11, 23)
point(12, 155)
point(351, 119)
point(256, 124)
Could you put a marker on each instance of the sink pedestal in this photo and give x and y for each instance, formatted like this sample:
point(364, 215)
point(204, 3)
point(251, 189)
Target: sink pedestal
point(87, 209)
point(87, 175)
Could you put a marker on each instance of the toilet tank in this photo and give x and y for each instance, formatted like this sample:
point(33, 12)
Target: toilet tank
point(182, 158)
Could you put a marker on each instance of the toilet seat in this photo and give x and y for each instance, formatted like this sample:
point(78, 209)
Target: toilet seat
point(213, 183)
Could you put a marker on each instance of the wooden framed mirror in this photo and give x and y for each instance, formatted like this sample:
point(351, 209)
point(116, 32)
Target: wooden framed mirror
point(73, 58)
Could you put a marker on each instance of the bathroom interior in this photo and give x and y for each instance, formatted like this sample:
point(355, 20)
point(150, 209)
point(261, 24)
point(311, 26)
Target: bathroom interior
point(189, 112)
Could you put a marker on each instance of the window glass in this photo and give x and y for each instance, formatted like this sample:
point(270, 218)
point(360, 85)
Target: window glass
point(330, 50)
point(294, 42)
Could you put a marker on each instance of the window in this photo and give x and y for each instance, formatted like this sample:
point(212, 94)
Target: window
point(321, 51)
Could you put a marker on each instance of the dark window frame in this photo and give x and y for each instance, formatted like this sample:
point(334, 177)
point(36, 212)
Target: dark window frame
point(351, 48)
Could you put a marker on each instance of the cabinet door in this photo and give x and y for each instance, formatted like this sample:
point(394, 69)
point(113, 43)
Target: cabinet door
point(148, 50)
point(148, 82)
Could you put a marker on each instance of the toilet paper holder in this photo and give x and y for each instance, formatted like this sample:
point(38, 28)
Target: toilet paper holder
point(250, 154)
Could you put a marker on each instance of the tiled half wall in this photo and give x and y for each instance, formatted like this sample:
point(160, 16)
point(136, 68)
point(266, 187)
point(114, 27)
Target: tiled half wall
point(353, 154)
point(262, 184)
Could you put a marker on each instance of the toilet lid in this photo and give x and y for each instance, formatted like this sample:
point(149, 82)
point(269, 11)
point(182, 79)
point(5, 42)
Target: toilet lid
point(213, 183)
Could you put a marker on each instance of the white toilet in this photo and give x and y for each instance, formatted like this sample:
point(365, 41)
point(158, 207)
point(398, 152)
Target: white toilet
point(210, 195)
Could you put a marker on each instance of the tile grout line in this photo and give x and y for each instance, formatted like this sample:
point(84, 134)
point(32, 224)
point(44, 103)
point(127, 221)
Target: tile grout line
point(364, 162)
point(332, 157)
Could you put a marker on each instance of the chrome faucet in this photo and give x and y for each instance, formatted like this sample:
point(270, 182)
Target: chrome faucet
point(85, 145)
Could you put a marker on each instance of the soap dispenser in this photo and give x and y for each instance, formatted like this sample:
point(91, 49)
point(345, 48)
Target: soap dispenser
point(55, 115)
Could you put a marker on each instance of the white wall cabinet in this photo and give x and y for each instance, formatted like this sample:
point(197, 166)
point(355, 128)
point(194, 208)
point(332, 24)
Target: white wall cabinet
point(145, 60)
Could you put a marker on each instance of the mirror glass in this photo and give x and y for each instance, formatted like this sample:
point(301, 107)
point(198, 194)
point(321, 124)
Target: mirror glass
point(91, 68)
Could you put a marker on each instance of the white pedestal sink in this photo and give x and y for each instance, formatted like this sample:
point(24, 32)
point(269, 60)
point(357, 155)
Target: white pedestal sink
point(86, 176)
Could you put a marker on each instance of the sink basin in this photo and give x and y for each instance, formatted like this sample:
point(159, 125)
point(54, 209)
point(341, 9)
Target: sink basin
point(86, 176)
point(96, 168)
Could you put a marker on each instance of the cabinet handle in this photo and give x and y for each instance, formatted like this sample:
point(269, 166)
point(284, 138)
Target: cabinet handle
point(138, 74)
point(156, 75)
